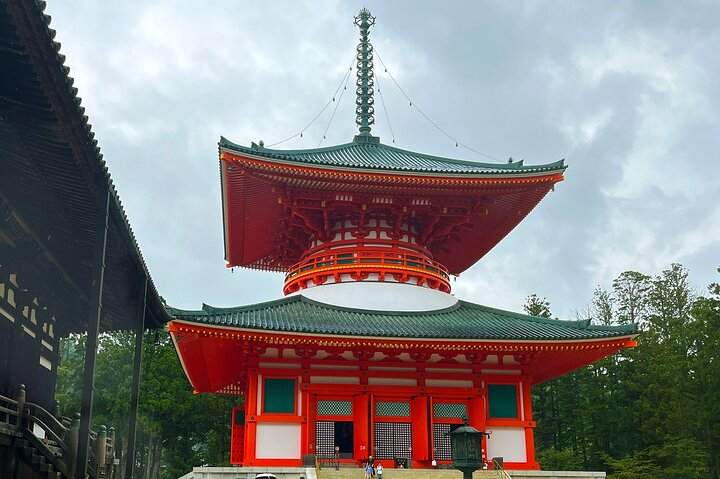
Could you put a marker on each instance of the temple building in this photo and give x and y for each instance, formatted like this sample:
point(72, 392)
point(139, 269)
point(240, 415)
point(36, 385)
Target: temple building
point(69, 261)
point(369, 353)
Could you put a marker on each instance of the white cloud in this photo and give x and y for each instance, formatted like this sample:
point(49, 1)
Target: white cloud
point(628, 98)
point(587, 129)
point(670, 99)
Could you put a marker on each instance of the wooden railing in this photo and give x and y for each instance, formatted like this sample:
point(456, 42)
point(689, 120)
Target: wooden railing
point(329, 461)
point(55, 438)
point(9, 416)
point(498, 465)
point(384, 261)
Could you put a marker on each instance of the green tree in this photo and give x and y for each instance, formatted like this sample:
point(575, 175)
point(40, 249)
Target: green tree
point(636, 412)
point(706, 374)
point(635, 465)
point(630, 291)
point(177, 429)
point(535, 306)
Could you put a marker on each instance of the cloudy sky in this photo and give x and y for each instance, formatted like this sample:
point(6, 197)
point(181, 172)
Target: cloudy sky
point(627, 92)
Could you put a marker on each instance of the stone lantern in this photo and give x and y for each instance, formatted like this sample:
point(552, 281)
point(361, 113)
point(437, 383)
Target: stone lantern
point(466, 446)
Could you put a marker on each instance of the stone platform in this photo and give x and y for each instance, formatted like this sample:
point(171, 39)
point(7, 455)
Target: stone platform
point(357, 473)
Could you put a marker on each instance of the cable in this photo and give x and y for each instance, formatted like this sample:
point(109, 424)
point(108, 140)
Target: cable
point(382, 100)
point(337, 104)
point(342, 82)
point(412, 104)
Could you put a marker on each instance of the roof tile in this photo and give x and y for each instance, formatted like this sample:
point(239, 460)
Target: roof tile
point(377, 156)
point(464, 320)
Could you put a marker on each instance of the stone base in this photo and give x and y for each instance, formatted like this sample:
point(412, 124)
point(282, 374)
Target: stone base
point(250, 472)
point(352, 473)
point(556, 474)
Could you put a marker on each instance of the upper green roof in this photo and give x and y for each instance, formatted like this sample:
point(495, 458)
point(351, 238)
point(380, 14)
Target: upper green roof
point(376, 156)
point(297, 314)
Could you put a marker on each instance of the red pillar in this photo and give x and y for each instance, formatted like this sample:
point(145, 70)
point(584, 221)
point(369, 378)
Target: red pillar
point(530, 428)
point(420, 433)
point(310, 416)
point(361, 427)
point(478, 417)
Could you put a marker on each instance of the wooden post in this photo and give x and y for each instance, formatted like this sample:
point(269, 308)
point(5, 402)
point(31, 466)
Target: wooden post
point(21, 405)
point(135, 393)
point(101, 445)
point(72, 444)
point(111, 474)
point(94, 313)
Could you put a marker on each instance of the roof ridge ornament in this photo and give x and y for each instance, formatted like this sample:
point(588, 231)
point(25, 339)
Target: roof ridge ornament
point(365, 83)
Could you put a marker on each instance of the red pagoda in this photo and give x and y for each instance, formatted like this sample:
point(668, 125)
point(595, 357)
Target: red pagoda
point(369, 354)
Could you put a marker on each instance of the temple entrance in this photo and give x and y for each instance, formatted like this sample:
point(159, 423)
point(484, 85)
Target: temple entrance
point(332, 434)
point(344, 438)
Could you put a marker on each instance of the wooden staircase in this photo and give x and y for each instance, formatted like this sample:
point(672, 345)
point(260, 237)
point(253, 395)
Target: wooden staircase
point(47, 444)
point(45, 463)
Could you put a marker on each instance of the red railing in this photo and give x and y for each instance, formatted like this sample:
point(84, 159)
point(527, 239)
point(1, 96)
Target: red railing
point(361, 261)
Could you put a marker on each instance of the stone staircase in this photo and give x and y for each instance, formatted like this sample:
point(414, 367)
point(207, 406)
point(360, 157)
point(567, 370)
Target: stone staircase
point(353, 472)
point(357, 473)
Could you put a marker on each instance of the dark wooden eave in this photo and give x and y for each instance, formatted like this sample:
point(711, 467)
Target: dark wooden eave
point(53, 179)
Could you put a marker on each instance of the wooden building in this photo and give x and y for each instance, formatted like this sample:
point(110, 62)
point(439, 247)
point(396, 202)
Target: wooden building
point(69, 262)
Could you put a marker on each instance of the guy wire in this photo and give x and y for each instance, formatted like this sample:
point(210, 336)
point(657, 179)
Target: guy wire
point(342, 82)
point(412, 104)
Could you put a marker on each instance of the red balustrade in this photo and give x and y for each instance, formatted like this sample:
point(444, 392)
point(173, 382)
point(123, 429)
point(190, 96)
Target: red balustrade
point(359, 262)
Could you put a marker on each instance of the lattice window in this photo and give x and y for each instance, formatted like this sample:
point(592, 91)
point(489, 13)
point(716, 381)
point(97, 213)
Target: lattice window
point(393, 440)
point(392, 408)
point(454, 410)
point(441, 442)
point(325, 439)
point(334, 408)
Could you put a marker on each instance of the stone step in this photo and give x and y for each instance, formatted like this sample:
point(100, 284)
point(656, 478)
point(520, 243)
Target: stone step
point(357, 473)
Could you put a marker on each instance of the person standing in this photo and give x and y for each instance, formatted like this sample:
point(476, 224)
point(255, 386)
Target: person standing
point(379, 470)
point(368, 471)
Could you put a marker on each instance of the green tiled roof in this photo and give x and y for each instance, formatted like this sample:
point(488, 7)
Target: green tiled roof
point(297, 314)
point(376, 156)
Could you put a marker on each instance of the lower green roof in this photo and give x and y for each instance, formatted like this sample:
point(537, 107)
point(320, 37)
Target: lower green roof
point(297, 314)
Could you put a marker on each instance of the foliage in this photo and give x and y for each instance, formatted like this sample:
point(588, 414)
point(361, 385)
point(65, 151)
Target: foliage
point(636, 465)
point(535, 306)
point(675, 458)
point(177, 429)
point(646, 412)
point(562, 460)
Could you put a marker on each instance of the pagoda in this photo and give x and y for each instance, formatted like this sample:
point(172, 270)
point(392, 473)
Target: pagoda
point(369, 353)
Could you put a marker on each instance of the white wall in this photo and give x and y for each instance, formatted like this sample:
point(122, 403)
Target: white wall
point(277, 441)
point(380, 296)
point(508, 443)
